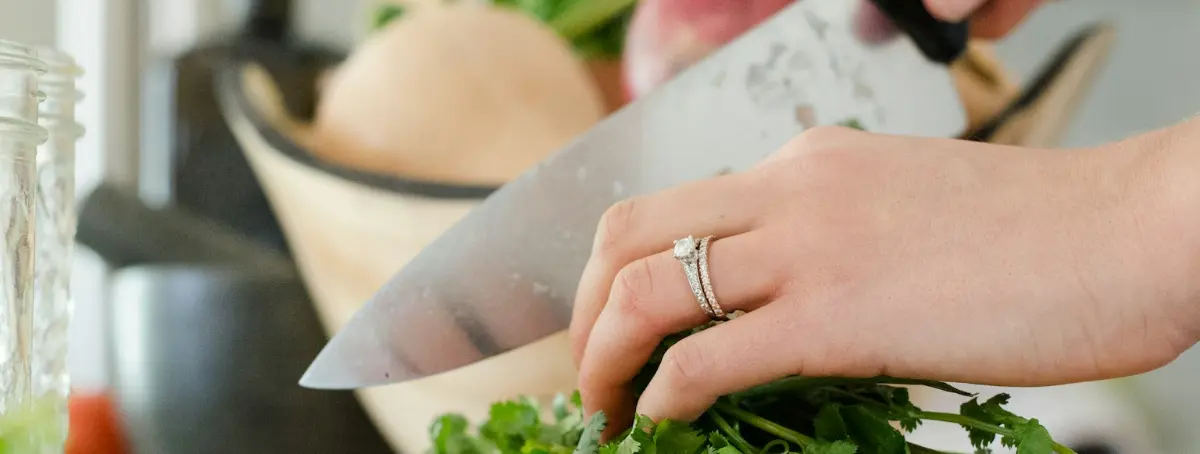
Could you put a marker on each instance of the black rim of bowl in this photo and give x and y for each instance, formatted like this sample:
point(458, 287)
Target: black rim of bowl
point(232, 94)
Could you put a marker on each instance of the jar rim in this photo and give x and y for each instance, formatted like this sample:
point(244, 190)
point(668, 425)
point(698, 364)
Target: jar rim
point(58, 62)
point(30, 131)
point(17, 55)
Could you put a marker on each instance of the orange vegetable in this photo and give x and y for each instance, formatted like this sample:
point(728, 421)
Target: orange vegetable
point(95, 426)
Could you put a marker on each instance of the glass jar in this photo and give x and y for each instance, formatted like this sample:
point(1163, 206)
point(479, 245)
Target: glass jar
point(56, 221)
point(22, 419)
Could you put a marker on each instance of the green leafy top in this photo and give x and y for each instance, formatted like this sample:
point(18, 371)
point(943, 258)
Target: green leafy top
point(30, 426)
point(809, 415)
point(595, 28)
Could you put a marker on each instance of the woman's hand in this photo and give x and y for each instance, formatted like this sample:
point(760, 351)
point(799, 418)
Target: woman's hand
point(857, 254)
point(989, 18)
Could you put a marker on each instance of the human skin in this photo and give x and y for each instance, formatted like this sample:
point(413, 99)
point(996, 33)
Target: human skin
point(1024, 267)
point(858, 254)
point(989, 19)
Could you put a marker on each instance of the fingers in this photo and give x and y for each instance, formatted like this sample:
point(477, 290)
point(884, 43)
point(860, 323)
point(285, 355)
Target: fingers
point(644, 226)
point(990, 19)
point(651, 299)
point(759, 347)
point(953, 10)
point(997, 18)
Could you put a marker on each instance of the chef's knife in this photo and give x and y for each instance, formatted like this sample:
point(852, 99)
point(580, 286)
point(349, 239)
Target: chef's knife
point(505, 275)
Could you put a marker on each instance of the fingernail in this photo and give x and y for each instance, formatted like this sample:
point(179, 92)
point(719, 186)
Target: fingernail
point(953, 10)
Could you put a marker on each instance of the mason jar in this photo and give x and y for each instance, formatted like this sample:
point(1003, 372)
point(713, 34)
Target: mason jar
point(22, 419)
point(55, 219)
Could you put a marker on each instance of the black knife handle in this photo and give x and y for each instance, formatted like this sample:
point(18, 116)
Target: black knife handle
point(940, 41)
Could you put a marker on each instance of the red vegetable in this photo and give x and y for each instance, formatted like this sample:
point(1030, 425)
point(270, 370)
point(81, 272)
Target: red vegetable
point(667, 36)
point(95, 426)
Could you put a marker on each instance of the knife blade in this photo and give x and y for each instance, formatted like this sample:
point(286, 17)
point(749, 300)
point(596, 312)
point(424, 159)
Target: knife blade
point(505, 275)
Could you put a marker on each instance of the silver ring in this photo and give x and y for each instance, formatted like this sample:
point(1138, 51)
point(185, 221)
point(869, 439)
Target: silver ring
point(687, 252)
point(714, 308)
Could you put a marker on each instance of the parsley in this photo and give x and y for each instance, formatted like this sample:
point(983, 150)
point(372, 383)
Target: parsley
point(795, 415)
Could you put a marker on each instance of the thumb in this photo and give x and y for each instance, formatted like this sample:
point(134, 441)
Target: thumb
point(953, 10)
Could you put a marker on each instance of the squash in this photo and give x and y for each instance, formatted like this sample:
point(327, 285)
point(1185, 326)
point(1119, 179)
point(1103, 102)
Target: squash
point(455, 93)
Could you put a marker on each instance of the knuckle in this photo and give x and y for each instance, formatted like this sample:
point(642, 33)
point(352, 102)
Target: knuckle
point(615, 223)
point(632, 288)
point(684, 366)
point(819, 155)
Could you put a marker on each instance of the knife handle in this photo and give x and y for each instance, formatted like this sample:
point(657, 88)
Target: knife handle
point(940, 41)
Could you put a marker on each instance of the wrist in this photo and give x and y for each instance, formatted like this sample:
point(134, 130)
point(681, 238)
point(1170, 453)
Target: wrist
point(1162, 171)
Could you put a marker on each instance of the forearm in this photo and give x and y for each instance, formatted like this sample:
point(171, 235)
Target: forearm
point(1165, 187)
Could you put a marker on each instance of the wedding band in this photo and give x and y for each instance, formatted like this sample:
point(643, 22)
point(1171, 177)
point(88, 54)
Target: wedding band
point(687, 252)
point(714, 308)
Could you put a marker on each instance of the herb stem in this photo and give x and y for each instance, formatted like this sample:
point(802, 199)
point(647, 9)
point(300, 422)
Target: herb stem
point(587, 15)
point(732, 435)
point(914, 448)
point(766, 425)
point(976, 424)
point(800, 384)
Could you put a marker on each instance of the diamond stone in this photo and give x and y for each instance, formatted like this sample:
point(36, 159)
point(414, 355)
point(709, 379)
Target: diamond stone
point(685, 249)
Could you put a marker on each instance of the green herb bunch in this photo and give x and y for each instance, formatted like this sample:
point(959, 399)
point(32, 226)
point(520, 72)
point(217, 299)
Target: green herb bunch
point(800, 415)
point(595, 28)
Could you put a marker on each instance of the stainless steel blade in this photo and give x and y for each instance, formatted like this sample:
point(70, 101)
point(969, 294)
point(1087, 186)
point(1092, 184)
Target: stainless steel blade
point(506, 274)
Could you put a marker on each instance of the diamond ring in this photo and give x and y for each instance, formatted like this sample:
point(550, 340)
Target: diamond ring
point(709, 295)
point(688, 253)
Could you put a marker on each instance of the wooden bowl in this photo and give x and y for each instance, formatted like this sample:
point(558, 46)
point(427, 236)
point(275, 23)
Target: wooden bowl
point(349, 231)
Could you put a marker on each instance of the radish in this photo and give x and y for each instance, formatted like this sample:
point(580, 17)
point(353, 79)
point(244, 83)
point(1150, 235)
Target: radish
point(667, 36)
point(460, 92)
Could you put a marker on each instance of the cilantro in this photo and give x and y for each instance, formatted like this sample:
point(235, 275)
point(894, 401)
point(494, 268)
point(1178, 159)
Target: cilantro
point(852, 123)
point(589, 439)
point(795, 415)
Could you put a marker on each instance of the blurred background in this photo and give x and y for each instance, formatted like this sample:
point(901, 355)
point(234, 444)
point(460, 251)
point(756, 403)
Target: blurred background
point(193, 322)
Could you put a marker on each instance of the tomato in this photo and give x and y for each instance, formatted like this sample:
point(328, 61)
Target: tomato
point(95, 426)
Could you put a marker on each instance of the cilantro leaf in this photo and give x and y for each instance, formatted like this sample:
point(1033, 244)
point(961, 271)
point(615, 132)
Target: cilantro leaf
point(835, 447)
point(511, 423)
point(794, 415)
point(1030, 437)
point(829, 425)
point(449, 435)
point(589, 440)
point(724, 450)
point(672, 437)
point(871, 432)
point(988, 412)
point(852, 123)
point(561, 408)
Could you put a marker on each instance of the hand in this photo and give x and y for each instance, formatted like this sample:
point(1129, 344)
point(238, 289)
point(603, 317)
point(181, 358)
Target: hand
point(989, 18)
point(856, 254)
